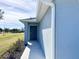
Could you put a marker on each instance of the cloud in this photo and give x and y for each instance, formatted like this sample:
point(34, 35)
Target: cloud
point(20, 5)
point(17, 9)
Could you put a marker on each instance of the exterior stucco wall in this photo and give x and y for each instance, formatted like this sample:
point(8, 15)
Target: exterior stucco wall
point(45, 34)
point(67, 29)
point(26, 36)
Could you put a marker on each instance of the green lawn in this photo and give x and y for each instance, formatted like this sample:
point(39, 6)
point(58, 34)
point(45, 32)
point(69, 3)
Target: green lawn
point(7, 40)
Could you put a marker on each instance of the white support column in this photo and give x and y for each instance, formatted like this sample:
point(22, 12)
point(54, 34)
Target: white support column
point(26, 33)
point(53, 25)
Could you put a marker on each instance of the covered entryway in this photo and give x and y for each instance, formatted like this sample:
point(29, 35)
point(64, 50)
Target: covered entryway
point(33, 32)
point(33, 50)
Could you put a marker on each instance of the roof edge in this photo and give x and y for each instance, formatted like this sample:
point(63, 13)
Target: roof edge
point(28, 20)
point(42, 8)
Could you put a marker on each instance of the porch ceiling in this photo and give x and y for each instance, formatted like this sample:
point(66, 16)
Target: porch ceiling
point(42, 8)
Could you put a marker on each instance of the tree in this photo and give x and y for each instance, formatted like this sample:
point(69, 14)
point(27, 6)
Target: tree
point(15, 30)
point(1, 29)
point(1, 14)
point(22, 30)
point(6, 30)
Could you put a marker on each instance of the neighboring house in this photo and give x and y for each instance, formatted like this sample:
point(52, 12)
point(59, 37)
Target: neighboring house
point(56, 28)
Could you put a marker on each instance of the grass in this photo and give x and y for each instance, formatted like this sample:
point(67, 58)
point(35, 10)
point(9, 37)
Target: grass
point(7, 40)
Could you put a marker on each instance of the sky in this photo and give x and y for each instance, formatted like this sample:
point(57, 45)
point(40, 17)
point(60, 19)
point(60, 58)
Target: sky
point(15, 10)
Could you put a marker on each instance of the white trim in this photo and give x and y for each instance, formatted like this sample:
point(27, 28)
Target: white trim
point(47, 3)
point(29, 32)
point(53, 22)
point(28, 20)
point(43, 7)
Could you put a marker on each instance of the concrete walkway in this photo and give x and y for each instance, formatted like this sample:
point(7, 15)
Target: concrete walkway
point(33, 51)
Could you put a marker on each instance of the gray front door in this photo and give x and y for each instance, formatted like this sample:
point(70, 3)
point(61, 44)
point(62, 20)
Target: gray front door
point(33, 32)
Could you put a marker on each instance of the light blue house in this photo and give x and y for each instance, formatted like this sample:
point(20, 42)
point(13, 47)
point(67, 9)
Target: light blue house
point(56, 28)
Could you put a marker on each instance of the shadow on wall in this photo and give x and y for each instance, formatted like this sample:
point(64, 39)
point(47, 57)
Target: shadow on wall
point(44, 30)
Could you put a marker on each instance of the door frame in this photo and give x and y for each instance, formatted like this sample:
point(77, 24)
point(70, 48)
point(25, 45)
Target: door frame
point(32, 24)
point(32, 34)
